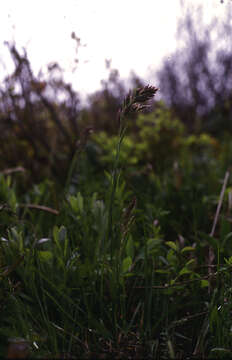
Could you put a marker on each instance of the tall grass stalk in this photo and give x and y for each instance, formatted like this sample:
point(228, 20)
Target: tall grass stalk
point(134, 102)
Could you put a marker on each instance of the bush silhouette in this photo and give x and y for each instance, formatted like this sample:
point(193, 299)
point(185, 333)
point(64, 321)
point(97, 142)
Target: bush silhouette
point(37, 132)
point(196, 79)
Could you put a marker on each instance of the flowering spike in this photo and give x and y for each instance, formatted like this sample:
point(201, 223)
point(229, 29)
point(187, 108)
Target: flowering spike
point(135, 102)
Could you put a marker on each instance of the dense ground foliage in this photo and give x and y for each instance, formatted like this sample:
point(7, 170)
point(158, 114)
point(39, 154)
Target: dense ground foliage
point(131, 257)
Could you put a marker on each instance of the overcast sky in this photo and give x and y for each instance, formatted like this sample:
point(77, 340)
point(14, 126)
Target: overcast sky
point(135, 34)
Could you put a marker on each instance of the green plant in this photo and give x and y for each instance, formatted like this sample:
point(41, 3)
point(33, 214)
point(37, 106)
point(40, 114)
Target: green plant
point(86, 272)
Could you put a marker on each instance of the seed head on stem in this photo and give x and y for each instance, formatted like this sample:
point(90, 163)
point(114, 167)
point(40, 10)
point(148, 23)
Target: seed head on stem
point(136, 101)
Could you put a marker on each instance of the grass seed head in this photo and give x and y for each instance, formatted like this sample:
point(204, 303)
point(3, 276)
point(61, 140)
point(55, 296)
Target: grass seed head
point(136, 101)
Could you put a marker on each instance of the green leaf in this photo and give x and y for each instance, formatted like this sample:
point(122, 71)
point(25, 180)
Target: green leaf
point(130, 247)
point(204, 283)
point(76, 202)
point(55, 233)
point(80, 201)
point(187, 248)
point(172, 245)
point(228, 261)
point(126, 264)
point(73, 202)
point(44, 255)
point(222, 350)
point(160, 271)
point(191, 261)
point(172, 258)
point(13, 200)
point(184, 271)
point(56, 237)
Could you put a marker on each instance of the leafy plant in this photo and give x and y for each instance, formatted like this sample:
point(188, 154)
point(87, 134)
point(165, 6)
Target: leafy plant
point(95, 268)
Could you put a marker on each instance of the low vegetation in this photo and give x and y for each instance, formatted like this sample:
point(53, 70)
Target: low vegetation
point(131, 256)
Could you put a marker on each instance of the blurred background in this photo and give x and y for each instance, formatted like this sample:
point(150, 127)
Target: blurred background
point(133, 38)
point(68, 65)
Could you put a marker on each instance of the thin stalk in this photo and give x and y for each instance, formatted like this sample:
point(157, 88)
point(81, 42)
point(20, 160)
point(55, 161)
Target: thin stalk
point(134, 102)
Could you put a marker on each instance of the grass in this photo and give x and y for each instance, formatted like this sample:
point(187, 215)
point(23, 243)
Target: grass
point(122, 271)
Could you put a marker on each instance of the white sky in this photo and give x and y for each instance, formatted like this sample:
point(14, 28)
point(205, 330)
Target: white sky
point(135, 34)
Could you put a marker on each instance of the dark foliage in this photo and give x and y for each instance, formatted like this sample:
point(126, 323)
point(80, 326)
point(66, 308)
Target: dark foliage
point(196, 79)
point(38, 120)
point(42, 121)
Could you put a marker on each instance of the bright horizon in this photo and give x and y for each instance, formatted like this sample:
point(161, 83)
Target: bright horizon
point(134, 38)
